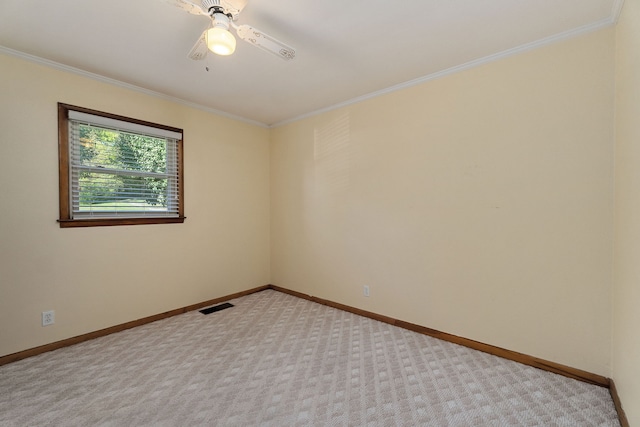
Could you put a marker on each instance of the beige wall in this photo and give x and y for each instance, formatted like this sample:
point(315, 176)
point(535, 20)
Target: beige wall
point(479, 204)
point(626, 333)
point(99, 277)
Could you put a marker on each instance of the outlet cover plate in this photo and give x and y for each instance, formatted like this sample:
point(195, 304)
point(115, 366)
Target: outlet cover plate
point(48, 318)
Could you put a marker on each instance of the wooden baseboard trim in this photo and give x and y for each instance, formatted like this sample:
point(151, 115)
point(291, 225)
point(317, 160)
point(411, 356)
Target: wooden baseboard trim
point(128, 325)
point(545, 365)
point(624, 422)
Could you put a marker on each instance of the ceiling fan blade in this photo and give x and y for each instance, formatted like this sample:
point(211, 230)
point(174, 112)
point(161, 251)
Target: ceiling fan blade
point(188, 6)
point(199, 50)
point(234, 7)
point(265, 42)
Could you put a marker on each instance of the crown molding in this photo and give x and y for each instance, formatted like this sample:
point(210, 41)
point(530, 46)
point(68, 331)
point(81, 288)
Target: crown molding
point(616, 10)
point(611, 20)
point(118, 83)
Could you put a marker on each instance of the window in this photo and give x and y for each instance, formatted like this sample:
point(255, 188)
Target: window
point(117, 171)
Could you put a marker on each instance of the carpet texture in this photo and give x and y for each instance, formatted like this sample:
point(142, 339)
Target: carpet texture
point(278, 360)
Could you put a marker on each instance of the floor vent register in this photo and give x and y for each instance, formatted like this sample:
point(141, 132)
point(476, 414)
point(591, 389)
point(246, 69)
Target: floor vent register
point(215, 308)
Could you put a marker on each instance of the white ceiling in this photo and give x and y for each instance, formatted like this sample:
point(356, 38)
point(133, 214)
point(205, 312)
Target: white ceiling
point(346, 49)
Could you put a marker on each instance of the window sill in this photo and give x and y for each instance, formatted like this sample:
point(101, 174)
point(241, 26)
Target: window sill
point(106, 222)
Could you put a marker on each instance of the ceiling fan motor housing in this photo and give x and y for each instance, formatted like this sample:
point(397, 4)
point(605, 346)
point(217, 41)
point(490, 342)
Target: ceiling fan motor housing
point(212, 4)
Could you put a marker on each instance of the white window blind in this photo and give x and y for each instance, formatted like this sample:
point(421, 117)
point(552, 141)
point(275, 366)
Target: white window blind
point(121, 169)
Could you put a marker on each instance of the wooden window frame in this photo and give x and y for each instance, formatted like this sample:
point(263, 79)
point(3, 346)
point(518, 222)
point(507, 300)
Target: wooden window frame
point(66, 219)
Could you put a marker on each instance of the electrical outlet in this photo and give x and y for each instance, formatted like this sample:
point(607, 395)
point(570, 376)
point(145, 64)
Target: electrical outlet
point(48, 318)
point(366, 290)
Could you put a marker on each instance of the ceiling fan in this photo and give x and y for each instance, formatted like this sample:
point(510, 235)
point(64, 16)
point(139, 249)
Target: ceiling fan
point(218, 39)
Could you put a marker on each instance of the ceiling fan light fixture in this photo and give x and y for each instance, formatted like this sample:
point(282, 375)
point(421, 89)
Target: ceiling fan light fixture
point(220, 41)
point(217, 37)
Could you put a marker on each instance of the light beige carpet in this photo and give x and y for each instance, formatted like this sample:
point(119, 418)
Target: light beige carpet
point(277, 360)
